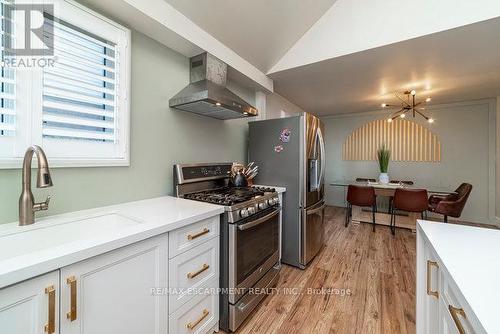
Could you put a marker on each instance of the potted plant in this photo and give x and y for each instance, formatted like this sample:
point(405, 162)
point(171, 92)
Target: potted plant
point(383, 156)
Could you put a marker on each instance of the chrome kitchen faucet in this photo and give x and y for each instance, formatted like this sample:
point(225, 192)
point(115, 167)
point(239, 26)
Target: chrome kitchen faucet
point(27, 205)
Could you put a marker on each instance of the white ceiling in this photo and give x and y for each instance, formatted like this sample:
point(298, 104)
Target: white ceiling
point(351, 26)
point(454, 65)
point(260, 31)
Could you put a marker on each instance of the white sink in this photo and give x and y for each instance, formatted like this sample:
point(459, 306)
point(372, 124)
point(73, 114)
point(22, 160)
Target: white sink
point(33, 238)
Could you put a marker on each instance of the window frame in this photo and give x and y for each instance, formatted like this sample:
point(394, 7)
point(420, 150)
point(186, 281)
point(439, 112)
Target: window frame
point(29, 84)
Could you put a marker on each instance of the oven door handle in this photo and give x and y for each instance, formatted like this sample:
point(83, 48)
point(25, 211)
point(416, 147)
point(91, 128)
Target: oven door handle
point(258, 221)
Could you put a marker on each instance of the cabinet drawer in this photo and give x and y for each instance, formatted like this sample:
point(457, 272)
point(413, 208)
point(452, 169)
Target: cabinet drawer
point(457, 309)
point(446, 324)
point(199, 315)
point(190, 236)
point(192, 270)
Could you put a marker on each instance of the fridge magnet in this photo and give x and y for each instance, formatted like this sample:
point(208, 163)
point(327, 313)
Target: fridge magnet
point(278, 148)
point(285, 135)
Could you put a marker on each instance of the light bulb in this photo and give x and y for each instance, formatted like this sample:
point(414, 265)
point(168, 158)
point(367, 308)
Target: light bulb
point(428, 99)
point(413, 92)
point(403, 115)
point(383, 105)
point(389, 120)
point(430, 120)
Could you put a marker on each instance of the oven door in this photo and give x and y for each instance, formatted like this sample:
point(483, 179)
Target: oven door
point(253, 250)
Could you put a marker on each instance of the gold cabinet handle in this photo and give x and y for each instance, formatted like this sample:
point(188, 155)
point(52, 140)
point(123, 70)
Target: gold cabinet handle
point(196, 273)
point(199, 234)
point(455, 312)
point(192, 325)
point(71, 315)
point(50, 327)
point(431, 264)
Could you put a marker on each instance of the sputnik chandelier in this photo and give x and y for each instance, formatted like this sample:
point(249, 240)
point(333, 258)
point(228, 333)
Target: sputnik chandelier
point(408, 106)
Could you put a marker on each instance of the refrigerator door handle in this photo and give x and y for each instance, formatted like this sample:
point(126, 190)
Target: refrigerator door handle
point(322, 158)
point(314, 211)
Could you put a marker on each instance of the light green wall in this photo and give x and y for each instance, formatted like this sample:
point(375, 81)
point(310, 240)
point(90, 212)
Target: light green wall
point(160, 137)
point(277, 106)
point(466, 137)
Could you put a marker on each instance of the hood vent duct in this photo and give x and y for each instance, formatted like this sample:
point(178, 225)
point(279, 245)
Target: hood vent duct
point(207, 94)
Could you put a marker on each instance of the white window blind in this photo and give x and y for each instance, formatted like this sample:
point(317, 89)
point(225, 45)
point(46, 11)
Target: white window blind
point(76, 105)
point(7, 77)
point(80, 91)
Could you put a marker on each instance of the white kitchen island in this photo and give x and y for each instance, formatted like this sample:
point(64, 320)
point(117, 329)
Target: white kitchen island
point(458, 279)
point(150, 266)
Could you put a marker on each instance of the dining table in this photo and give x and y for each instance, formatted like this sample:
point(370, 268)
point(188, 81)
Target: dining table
point(407, 220)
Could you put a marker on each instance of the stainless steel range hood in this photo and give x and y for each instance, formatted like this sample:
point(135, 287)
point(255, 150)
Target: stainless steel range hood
point(207, 94)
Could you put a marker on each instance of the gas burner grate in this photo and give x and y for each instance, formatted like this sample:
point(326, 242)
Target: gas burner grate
point(229, 195)
point(264, 189)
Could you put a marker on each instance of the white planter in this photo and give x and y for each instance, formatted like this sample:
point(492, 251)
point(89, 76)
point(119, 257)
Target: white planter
point(383, 178)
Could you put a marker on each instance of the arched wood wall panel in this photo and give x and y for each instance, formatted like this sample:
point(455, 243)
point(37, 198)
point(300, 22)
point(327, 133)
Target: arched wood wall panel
point(407, 140)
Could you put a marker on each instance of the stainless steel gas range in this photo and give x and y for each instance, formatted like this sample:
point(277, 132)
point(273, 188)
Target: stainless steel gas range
point(250, 235)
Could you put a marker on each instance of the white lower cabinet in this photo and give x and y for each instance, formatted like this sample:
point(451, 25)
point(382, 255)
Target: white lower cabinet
point(200, 315)
point(124, 291)
point(31, 307)
point(428, 289)
point(112, 293)
point(194, 279)
point(191, 272)
point(441, 308)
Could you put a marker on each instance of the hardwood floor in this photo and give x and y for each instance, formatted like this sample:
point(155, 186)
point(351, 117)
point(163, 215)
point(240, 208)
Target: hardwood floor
point(368, 282)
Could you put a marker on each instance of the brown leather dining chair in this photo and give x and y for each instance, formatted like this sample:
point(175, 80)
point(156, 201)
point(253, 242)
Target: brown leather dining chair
point(360, 196)
point(409, 200)
point(403, 182)
point(451, 205)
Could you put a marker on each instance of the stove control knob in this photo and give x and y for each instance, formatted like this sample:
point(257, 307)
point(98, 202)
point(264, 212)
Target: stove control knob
point(251, 210)
point(262, 205)
point(244, 213)
point(272, 201)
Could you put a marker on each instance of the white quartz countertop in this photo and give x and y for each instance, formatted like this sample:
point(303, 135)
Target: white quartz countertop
point(471, 256)
point(135, 221)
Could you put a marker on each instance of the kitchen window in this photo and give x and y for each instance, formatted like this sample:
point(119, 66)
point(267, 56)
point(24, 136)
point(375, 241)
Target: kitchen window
point(78, 108)
point(7, 89)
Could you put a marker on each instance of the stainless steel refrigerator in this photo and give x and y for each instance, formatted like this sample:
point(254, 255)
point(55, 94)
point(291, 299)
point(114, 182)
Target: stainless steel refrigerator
point(290, 152)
